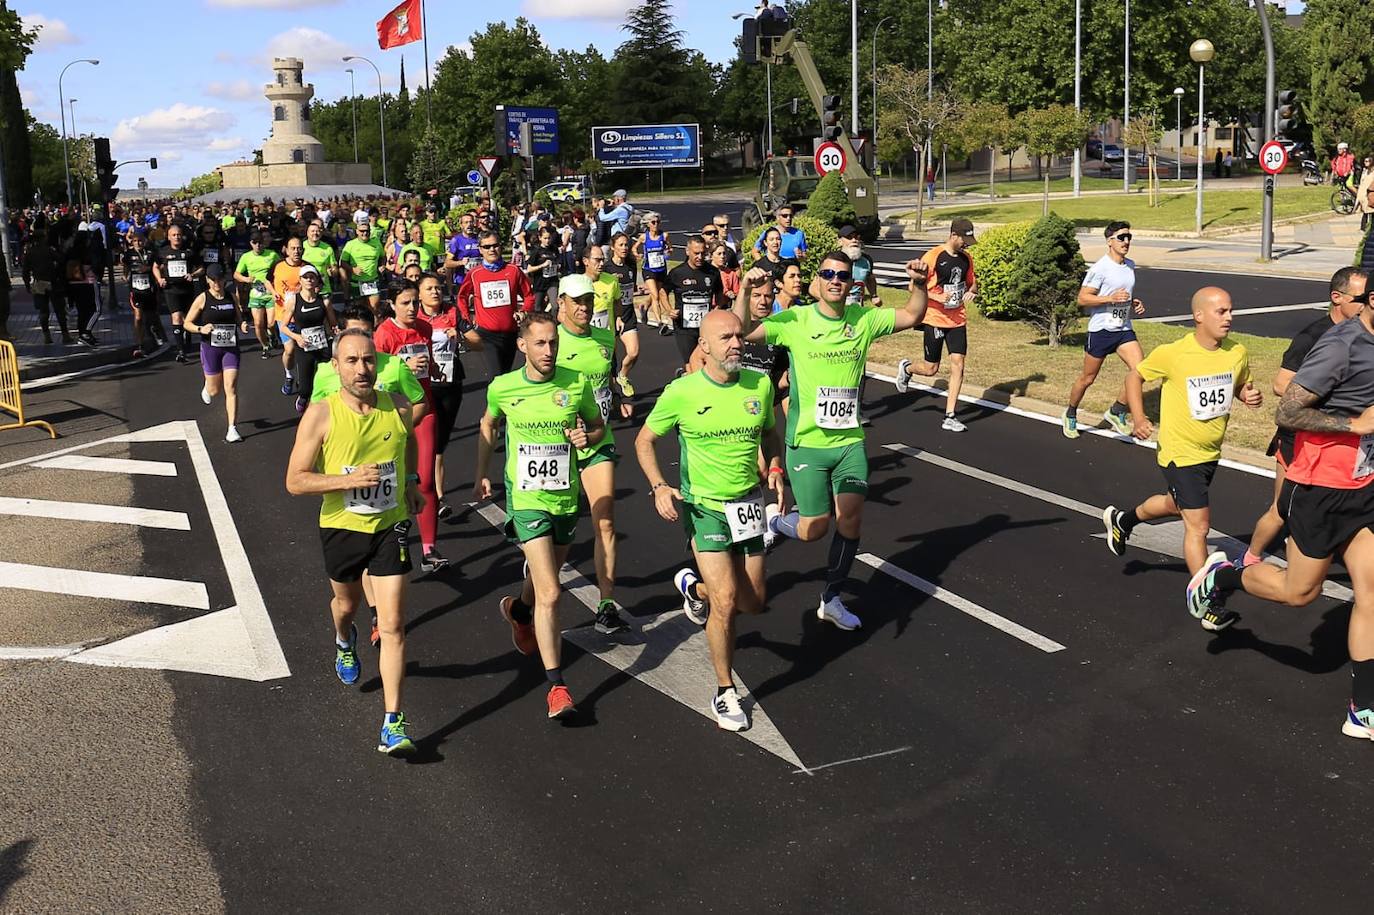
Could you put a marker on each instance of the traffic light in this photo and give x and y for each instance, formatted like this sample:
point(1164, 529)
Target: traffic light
point(795, 106)
point(831, 128)
point(1287, 121)
point(105, 170)
point(749, 41)
point(152, 163)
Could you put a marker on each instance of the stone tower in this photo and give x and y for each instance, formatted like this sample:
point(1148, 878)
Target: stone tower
point(292, 141)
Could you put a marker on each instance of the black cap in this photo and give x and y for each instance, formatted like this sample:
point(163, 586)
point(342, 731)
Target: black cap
point(848, 232)
point(962, 226)
point(214, 271)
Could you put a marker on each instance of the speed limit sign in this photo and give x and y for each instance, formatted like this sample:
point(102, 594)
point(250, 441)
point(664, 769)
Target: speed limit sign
point(830, 157)
point(1273, 158)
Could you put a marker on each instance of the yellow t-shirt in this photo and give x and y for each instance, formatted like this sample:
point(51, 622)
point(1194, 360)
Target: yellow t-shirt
point(376, 437)
point(1200, 386)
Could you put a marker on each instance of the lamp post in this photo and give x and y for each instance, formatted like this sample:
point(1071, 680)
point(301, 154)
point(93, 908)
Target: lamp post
point(1077, 90)
point(76, 135)
point(1126, 111)
point(877, 178)
point(62, 109)
point(1178, 147)
point(854, 121)
point(381, 109)
point(1201, 51)
point(353, 94)
point(930, 75)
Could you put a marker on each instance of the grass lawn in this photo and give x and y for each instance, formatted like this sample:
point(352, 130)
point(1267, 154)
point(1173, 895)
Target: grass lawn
point(1012, 357)
point(1022, 186)
point(1176, 212)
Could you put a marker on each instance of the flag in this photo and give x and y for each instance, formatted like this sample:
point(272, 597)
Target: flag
point(400, 26)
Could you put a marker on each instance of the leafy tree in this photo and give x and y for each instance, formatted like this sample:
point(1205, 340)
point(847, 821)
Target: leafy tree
point(1044, 283)
point(985, 125)
point(47, 175)
point(15, 45)
point(1362, 128)
point(432, 166)
point(1054, 131)
point(207, 183)
point(829, 203)
point(1341, 45)
point(585, 80)
point(908, 114)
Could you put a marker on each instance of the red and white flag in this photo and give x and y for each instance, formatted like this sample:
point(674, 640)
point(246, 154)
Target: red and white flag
point(401, 26)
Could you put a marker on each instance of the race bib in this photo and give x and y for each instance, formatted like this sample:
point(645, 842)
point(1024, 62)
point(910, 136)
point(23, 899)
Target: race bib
point(176, 269)
point(1120, 315)
point(627, 296)
point(210, 256)
point(1364, 458)
point(954, 295)
point(471, 262)
point(543, 467)
point(495, 294)
point(260, 289)
point(1209, 396)
point(365, 288)
point(140, 282)
point(656, 260)
point(745, 517)
point(837, 408)
point(694, 310)
point(316, 338)
point(550, 270)
point(601, 319)
point(375, 499)
point(224, 336)
point(442, 348)
point(410, 351)
point(603, 402)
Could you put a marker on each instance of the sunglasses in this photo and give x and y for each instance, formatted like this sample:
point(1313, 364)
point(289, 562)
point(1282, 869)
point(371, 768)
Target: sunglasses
point(1124, 236)
point(1362, 298)
point(841, 275)
point(489, 247)
point(784, 215)
point(711, 234)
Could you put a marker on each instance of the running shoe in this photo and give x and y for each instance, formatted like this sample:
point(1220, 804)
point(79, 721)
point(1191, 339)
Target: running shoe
point(137, 354)
point(180, 358)
point(346, 664)
point(205, 397)
point(288, 387)
point(375, 636)
point(770, 534)
point(1358, 723)
point(560, 702)
point(665, 330)
point(267, 352)
point(232, 436)
point(728, 713)
point(697, 610)
point(608, 621)
point(1070, 424)
point(1116, 537)
point(1120, 422)
point(1202, 587)
point(432, 561)
point(1218, 618)
point(952, 424)
point(626, 387)
point(903, 381)
point(394, 741)
point(445, 511)
point(86, 340)
point(521, 634)
point(301, 404)
point(834, 611)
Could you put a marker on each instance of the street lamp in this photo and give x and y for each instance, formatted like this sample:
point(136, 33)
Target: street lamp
point(1126, 169)
point(381, 109)
point(62, 108)
point(768, 81)
point(71, 106)
point(1178, 147)
point(1201, 51)
point(353, 95)
point(877, 178)
point(1077, 90)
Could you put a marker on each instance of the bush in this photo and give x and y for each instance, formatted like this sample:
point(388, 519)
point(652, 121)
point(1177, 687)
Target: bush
point(829, 203)
point(994, 258)
point(821, 239)
point(1047, 276)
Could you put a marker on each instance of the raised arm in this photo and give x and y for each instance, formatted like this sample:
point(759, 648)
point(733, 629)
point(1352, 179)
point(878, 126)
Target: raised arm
point(916, 301)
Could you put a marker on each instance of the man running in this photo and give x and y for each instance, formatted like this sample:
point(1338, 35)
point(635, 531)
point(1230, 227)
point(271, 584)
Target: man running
point(951, 286)
point(1107, 296)
point(286, 285)
point(175, 269)
point(827, 345)
point(254, 271)
point(357, 449)
point(361, 261)
point(792, 237)
point(696, 289)
point(724, 415)
point(550, 414)
point(1203, 373)
point(495, 296)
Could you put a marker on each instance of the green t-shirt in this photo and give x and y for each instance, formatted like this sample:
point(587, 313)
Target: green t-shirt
point(827, 358)
point(425, 256)
point(541, 467)
point(719, 428)
point(362, 257)
point(227, 222)
point(434, 236)
point(259, 267)
point(321, 257)
point(590, 356)
point(392, 375)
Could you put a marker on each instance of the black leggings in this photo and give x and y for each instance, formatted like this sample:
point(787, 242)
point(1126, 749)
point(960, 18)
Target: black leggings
point(499, 349)
point(51, 303)
point(445, 399)
point(83, 297)
point(303, 368)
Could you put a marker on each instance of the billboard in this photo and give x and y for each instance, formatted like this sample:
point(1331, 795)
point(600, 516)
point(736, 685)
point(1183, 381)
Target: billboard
point(543, 122)
point(648, 146)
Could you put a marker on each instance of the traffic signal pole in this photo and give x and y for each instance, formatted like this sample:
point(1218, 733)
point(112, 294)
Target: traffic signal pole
point(1267, 203)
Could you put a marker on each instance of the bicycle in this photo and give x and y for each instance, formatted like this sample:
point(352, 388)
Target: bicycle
point(1343, 200)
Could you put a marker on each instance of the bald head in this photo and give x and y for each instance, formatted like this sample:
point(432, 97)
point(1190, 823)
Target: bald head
point(1209, 296)
point(1212, 313)
point(722, 340)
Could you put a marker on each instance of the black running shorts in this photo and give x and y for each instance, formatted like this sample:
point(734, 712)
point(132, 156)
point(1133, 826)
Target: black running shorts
point(1321, 520)
point(1189, 485)
point(938, 338)
point(347, 554)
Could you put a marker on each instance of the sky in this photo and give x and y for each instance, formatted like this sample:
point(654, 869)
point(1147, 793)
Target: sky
point(183, 82)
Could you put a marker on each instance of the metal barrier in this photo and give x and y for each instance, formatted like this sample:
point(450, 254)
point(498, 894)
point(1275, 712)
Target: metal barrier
point(11, 396)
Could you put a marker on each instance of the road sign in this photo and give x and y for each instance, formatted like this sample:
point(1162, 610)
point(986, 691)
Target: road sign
point(488, 165)
point(830, 157)
point(1273, 158)
point(858, 144)
point(474, 177)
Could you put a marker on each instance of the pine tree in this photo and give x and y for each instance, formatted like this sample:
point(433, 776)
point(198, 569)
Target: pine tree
point(654, 82)
point(1046, 278)
point(403, 100)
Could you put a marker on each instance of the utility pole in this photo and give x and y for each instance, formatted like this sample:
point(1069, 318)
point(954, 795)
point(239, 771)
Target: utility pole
point(1267, 203)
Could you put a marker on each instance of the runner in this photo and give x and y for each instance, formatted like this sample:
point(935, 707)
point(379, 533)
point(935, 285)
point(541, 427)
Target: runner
point(1108, 297)
point(590, 351)
point(445, 376)
point(360, 261)
point(792, 239)
point(254, 270)
point(216, 318)
point(463, 250)
point(417, 245)
point(1202, 372)
point(623, 267)
point(1348, 297)
point(286, 283)
point(549, 411)
point(138, 266)
point(720, 491)
point(865, 288)
point(772, 259)
point(696, 290)
point(652, 249)
point(320, 254)
point(541, 269)
point(175, 268)
point(310, 323)
point(494, 296)
point(433, 233)
point(951, 287)
point(605, 286)
point(827, 347)
point(357, 449)
point(408, 336)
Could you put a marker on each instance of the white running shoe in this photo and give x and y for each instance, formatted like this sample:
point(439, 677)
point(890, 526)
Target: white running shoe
point(834, 611)
point(232, 435)
point(903, 376)
point(770, 536)
point(697, 610)
point(729, 715)
point(205, 397)
point(952, 424)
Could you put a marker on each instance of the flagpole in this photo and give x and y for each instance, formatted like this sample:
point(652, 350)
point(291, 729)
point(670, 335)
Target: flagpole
point(424, 30)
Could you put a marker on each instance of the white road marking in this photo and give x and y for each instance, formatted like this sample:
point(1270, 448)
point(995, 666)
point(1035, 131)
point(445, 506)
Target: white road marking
point(91, 511)
point(669, 653)
point(142, 588)
point(963, 605)
point(811, 770)
point(1267, 309)
point(39, 383)
point(25, 653)
point(110, 465)
point(1044, 495)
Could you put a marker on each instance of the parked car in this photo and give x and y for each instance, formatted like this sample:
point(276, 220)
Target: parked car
point(1094, 149)
point(565, 191)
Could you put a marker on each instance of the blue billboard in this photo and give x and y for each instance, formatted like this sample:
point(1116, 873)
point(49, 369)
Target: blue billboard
point(543, 123)
point(648, 146)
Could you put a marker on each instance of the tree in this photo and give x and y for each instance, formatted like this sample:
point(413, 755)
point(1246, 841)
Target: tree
point(432, 165)
point(1362, 127)
point(47, 176)
point(1341, 36)
point(207, 183)
point(908, 114)
point(1144, 133)
point(1045, 280)
point(829, 202)
point(15, 45)
point(1054, 131)
point(985, 125)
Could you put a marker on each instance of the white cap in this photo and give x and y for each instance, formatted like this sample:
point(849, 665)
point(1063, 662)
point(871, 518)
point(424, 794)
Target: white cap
point(1342, 145)
point(84, 227)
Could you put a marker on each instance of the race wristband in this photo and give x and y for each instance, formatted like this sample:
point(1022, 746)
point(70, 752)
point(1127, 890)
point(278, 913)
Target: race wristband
point(412, 478)
point(773, 470)
point(655, 488)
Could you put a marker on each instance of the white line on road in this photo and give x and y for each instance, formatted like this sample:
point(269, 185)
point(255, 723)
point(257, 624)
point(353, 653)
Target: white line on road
point(49, 653)
point(142, 588)
point(1044, 495)
point(1268, 309)
point(963, 605)
point(811, 770)
point(110, 465)
point(91, 511)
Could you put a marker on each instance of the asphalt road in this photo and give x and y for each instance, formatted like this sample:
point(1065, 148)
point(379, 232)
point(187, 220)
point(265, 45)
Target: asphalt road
point(1050, 731)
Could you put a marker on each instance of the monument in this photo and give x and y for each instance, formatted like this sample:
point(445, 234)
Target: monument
point(292, 157)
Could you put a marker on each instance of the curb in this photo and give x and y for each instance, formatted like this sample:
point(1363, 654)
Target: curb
point(54, 369)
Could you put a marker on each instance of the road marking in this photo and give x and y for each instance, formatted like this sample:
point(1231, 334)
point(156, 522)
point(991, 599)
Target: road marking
point(963, 605)
point(24, 653)
point(811, 770)
point(110, 465)
point(1268, 309)
point(91, 511)
point(1044, 495)
point(142, 588)
point(671, 655)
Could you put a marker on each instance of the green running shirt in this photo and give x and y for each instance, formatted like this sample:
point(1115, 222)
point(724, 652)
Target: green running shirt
point(362, 257)
point(321, 257)
point(541, 464)
point(392, 375)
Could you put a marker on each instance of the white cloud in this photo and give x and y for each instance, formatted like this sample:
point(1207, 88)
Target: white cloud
point(180, 125)
point(224, 144)
point(237, 91)
point(272, 4)
point(319, 51)
point(51, 32)
point(586, 9)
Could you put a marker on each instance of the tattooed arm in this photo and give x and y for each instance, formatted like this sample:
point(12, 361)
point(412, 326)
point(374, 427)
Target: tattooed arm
point(1297, 412)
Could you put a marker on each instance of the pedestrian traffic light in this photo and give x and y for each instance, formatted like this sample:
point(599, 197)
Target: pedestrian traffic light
point(831, 128)
point(749, 41)
point(105, 170)
point(1287, 122)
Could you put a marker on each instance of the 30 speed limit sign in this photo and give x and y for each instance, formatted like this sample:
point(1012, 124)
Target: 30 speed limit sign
point(1273, 158)
point(830, 157)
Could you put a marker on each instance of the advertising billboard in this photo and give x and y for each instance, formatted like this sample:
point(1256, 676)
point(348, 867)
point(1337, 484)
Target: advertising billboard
point(648, 146)
point(543, 122)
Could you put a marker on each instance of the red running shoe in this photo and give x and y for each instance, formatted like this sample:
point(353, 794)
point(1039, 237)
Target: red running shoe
point(376, 637)
point(521, 634)
point(560, 702)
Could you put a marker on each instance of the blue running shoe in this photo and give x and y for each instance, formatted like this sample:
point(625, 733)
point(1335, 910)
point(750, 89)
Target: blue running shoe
point(288, 387)
point(1359, 723)
point(346, 663)
point(394, 741)
point(1202, 587)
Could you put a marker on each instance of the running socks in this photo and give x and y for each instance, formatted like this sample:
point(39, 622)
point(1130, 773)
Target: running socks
point(521, 612)
point(1071, 412)
point(1362, 684)
point(842, 552)
point(786, 524)
point(554, 675)
point(1228, 580)
point(722, 690)
point(1119, 408)
point(1128, 522)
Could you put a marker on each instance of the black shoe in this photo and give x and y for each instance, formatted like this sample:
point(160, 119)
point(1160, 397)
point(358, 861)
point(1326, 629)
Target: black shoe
point(432, 561)
point(87, 340)
point(181, 358)
point(266, 352)
point(1218, 618)
point(608, 621)
point(445, 511)
point(665, 330)
point(1116, 537)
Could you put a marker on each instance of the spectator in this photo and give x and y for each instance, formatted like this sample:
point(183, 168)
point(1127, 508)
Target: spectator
point(1343, 166)
point(1364, 195)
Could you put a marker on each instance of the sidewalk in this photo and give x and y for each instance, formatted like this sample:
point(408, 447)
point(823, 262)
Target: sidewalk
point(114, 331)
